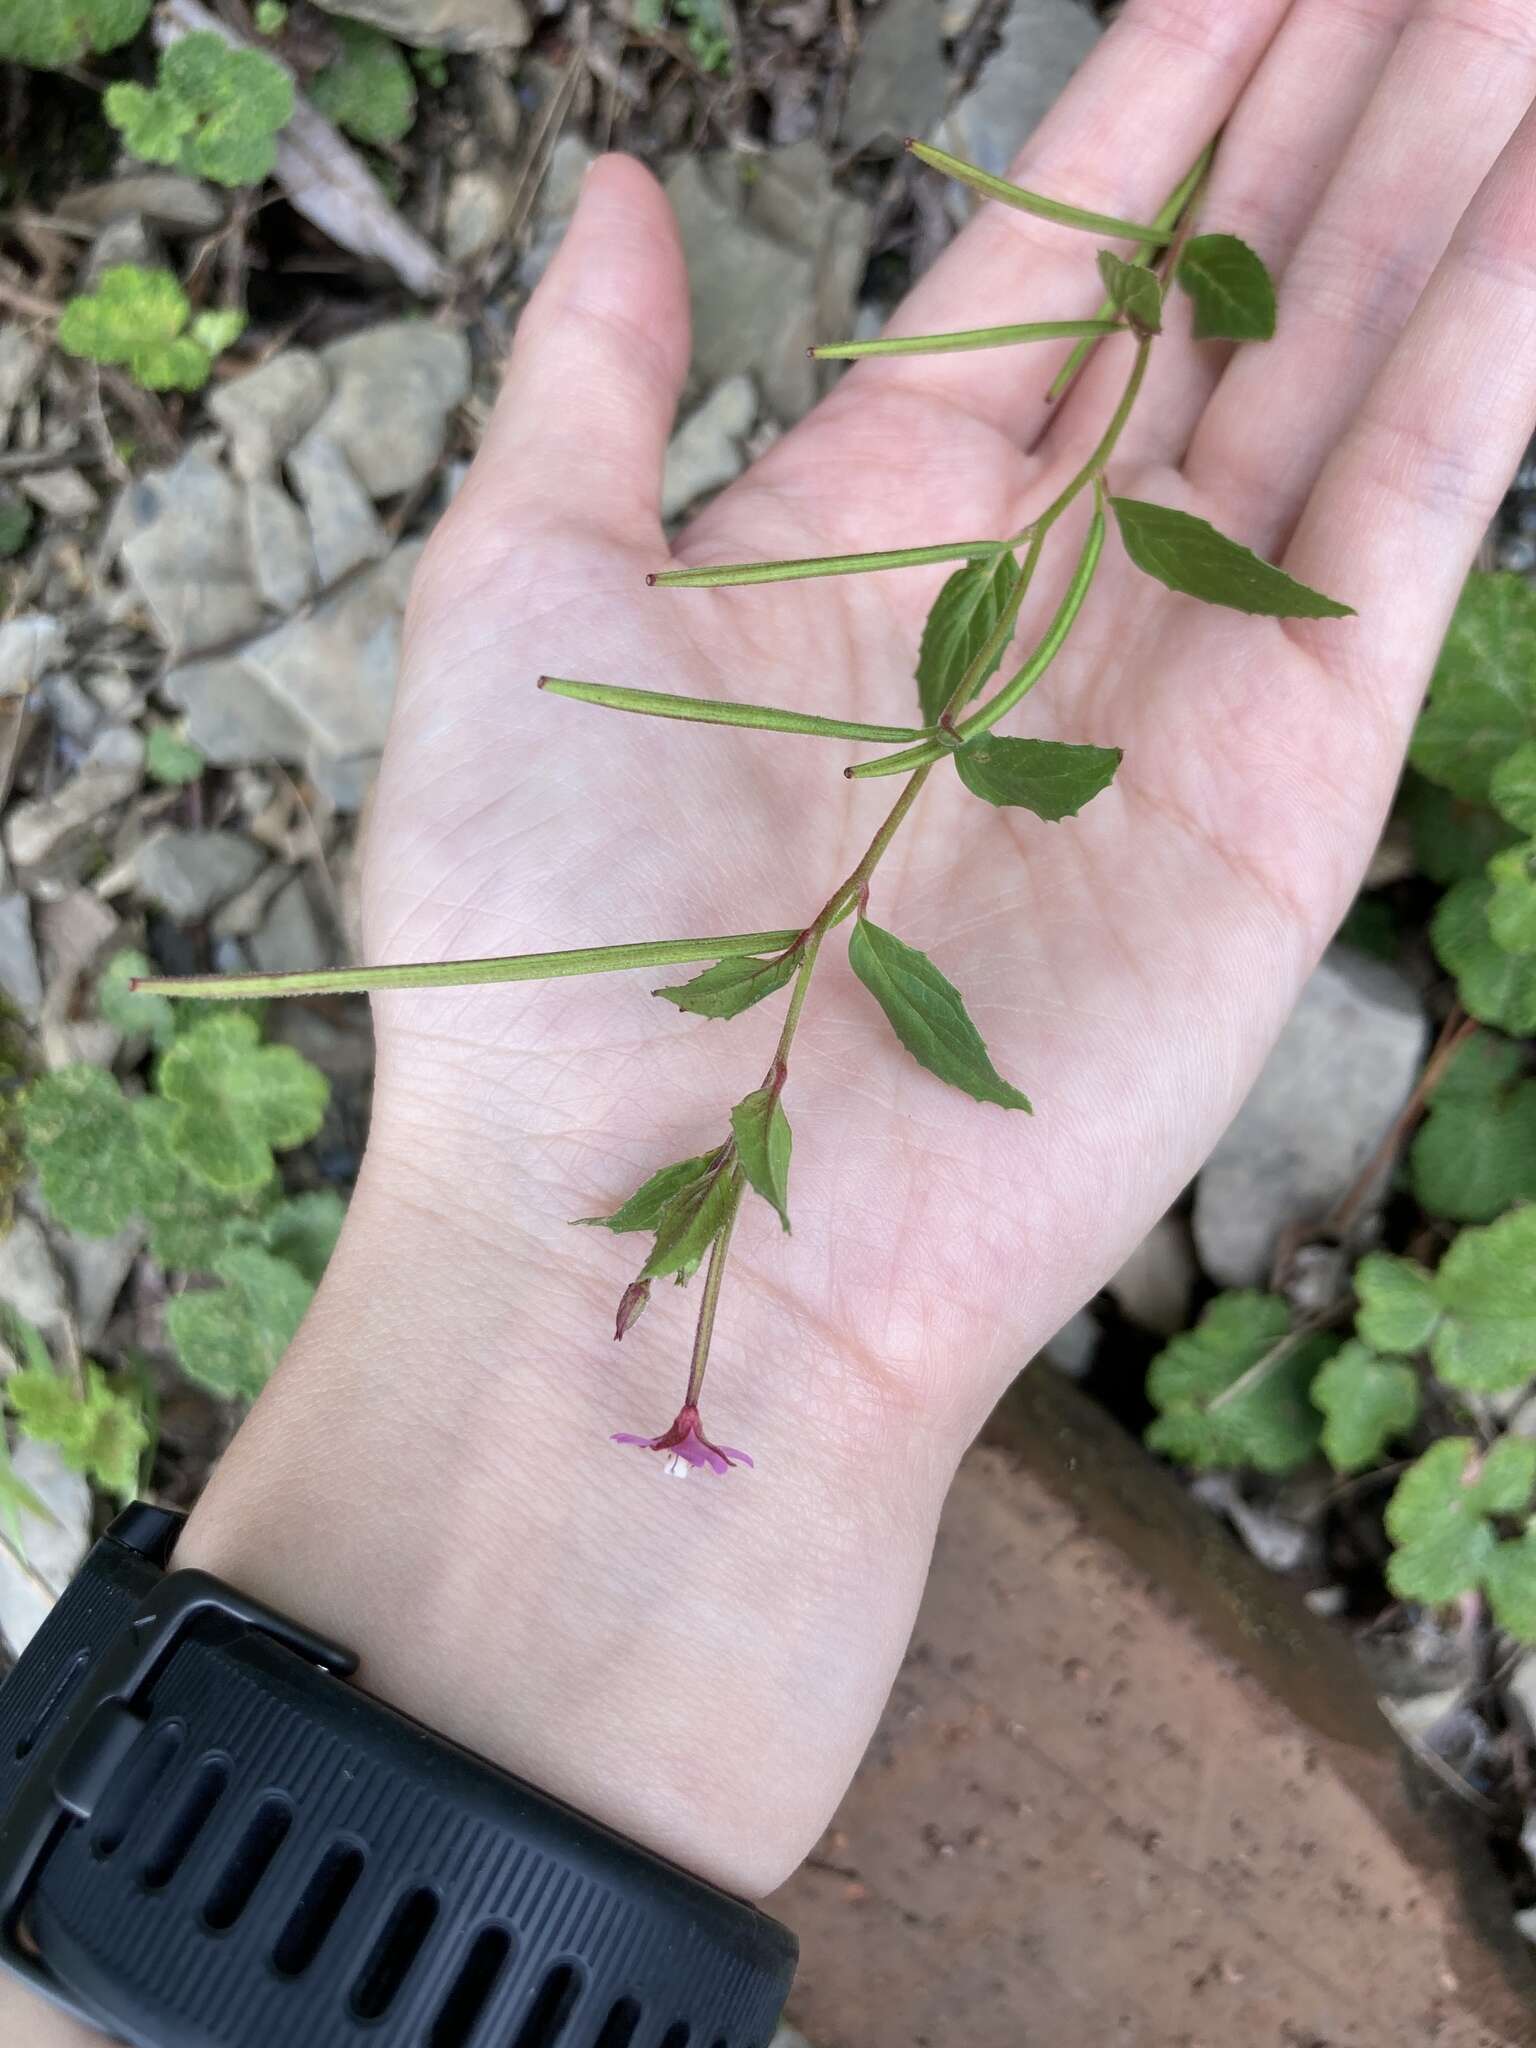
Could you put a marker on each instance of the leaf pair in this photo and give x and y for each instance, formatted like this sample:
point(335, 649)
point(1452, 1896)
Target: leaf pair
point(1442, 1520)
point(1232, 291)
point(144, 320)
point(1244, 1388)
point(214, 110)
point(1475, 1154)
point(97, 1428)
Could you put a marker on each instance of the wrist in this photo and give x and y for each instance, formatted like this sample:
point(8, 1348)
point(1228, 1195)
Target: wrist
point(428, 1480)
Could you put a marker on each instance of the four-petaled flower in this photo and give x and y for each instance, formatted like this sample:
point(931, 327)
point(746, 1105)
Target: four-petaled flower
point(686, 1445)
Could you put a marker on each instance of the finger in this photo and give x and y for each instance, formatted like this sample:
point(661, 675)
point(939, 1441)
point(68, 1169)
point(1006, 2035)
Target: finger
point(1457, 84)
point(1406, 496)
point(1329, 59)
point(1127, 128)
point(601, 352)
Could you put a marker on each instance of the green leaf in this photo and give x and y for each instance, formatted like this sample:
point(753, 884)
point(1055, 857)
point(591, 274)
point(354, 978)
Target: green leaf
point(304, 1229)
point(964, 616)
point(1048, 777)
point(368, 89)
point(1512, 903)
point(1438, 1515)
point(1133, 291)
point(689, 1225)
point(83, 1139)
point(1453, 841)
point(180, 365)
point(1233, 292)
point(1475, 1154)
point(1496, 987)
point(151, 1017)
point(219, 328)
point(171, 759)
point(237, 1100)
point(1233, 1391)
point(1366, 1402)
point(153, 124)
point(731, 986)
point(646, 1206)
point(1482, 697)
point(15, 524)
point(1189, 555)
point(1486, 1287)
point(1399, 1308)
point(231, 1338)
point(131, 308)
point(1512, 787)
point(49, 34)
point(1510, 1580)
point(763, 1142)
point(191, 1225)
point(926, 1013)
point(99, 1431)
point(271, 17)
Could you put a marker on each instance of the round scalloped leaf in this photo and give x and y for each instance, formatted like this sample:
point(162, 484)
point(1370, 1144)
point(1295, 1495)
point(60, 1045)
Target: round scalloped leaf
point(1235, 1390)
point(236, 1100)
point(230, 1338)
point(1496, 987)
point(84, 1140)
point(1367, 1401)
point(49, 34)
point(1512, 906)
point(368, 89)
point(1512, 787)
point(1482, 698)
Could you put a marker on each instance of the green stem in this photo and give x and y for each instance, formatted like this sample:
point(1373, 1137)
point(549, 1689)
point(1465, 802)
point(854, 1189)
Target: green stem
point(709, 1301)
point(798, 994)
point(824, 565)
point(1036, 202)
point(1168, 216)
point(712, 711)
point(966, 338)
point(344, 981)
point(1094, 466)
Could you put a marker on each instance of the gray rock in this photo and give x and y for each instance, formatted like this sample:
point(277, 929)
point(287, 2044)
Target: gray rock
point(477, 212)
point(127, 238)
point(1072, 1348)
point(1154, 1287)
point(30, 1282)
point(1521, 1687)
point(75, 713)
point(20, 977)
point(282, 551)
point(393, 388)
point(706, 452)
point(335, 668)
point(164, 199)
point(21, 355)
point(344, 780)
point(268, 410)
point(569, 162)
point(1281, 1542)
point(109, 774)
point(97, 1268)
point(185, 550)
point(232, 717)
point(290, 940)
point(186, 874)
point(444, 24)
point(30, 646)
point(62, 493)
point(1043, 43)
point(53, 1549)
point(733, 275)
point(899, 82)
point(344, 528)
point(1340, 1072)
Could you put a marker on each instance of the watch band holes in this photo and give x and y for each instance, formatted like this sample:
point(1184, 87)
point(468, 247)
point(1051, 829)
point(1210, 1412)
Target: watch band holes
point(190, 1814)
point(394, 1952)
point(676, 2035)
point(471, 1990)
point(237, 1881)
point(320, 1906)
point(152, 1756)
point(551, 2009)
point(53, 1703)
point(619, 2027)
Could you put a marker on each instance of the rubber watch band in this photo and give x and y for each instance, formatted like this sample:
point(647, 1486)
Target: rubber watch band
point(209, 1836)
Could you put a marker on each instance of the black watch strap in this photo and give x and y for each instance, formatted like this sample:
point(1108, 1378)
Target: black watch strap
point(208, 1836)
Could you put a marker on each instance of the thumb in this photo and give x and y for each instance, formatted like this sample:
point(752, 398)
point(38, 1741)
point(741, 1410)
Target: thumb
point(581, 426)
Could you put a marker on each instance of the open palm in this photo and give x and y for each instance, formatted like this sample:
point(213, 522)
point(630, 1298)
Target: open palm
point(1128, 969)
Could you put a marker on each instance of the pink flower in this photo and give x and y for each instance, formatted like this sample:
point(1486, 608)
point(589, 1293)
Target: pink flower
point(686, 1445)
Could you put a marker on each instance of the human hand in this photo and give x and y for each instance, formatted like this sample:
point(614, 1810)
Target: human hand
point(703, 1669)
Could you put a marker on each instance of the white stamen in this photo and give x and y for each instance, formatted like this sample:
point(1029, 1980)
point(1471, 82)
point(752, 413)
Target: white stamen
point(675, 1467)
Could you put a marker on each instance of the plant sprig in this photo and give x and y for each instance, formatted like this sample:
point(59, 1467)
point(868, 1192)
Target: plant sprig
point(689, 1208)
